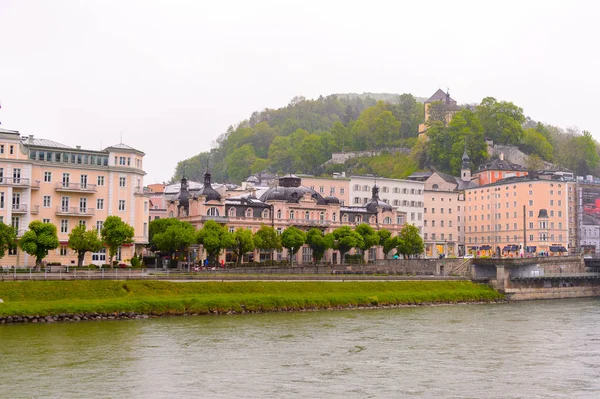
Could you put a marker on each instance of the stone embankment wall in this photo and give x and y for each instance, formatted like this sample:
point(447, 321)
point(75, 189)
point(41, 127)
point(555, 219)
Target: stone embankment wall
point(555, 288)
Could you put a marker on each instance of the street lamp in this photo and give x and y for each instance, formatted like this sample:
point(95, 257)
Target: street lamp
point(292, 256)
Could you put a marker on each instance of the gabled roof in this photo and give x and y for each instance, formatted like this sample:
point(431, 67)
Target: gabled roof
point(500, 164)
point(439, 95)
point(123, 147)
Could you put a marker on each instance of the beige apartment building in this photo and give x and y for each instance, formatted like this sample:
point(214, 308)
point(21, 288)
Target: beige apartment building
point(338, 187)
point(67, 186)
point(519, 216)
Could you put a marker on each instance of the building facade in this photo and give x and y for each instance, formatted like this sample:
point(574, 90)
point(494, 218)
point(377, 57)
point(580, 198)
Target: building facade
point(289, 203)
point(68, 186)
point(406, 196)
point(518, 216)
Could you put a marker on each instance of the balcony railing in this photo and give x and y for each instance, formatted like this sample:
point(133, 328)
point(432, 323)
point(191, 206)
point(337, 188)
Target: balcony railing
point(218, 219)
point(75, 187)
point(35, 209)
point(19, 182)
point(20, 208)
point(74, 211)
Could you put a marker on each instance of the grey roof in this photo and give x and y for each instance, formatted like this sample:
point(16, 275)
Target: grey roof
point(500, 164)
point(2, 130)
point(122, 146)
point(44, 143)
point(439, 95)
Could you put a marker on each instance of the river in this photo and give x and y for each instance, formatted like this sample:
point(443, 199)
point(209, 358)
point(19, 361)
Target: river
point(537, 349)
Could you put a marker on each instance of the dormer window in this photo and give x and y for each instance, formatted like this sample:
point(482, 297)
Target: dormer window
point(231, 212)
point(249, 212)
point(265, 214)
point(212, 211)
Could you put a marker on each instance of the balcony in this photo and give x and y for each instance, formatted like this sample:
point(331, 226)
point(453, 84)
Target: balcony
point(19, 182)
point(141, 190)
point(74, 211)
point(19, 209)
point(75, 187)
point(310, 222)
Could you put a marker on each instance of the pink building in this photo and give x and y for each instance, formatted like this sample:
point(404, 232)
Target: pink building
point(68, 186)
point(289, 203)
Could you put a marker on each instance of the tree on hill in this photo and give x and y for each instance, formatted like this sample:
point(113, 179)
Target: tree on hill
point(214, 238)
point(239, 163)
point(533, 142)
point(82, 240)
point(8, 239)
point(38, 240)
point(115, 233)
point(502, 121)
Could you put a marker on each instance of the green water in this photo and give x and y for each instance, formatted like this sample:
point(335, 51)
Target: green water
point(545, 349)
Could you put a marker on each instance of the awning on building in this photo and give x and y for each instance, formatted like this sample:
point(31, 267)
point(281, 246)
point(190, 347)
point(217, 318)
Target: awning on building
point(510, 248)
point(557, 248)
point(531, 249)
point(485, 247)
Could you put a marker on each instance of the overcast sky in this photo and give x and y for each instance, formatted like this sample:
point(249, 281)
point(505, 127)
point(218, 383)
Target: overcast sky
point(170, 76)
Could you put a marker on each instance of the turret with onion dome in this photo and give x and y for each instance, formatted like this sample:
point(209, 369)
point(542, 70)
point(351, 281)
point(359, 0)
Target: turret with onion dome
point(290, 189)
point(375, 204)
point(209, 193)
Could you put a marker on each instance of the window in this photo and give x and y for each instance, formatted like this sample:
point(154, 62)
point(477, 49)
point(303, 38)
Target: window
point(99, 225)
point(47, 199)
point(100, 204)
point(342, 190)
point(232, 212)
point(145, 206)
point(307, 215)
point(83, 205)
point(412, 216)
point(12, 149)
point(128, 161)
point(45, 220)
point(64, 226)
point(100, 180)
point(279, 214)
point(122, 181)
point(321, 189)
point(121, 205)
point(83, 223)
point(387, 220)
point(47, 177)
point(122, 161)
point(1, 148)
point(63, 250)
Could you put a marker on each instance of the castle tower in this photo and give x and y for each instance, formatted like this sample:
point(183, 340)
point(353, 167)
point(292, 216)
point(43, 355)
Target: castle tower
point(465, 170)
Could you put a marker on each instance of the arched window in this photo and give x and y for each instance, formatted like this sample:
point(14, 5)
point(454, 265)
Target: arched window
point(333, 216)
point(212, 211)
point(266, 214)
point(292, 215)
point(231, 212)
point(307, 215)
point(249, 212)
point(279, 214)
point(435, 186)
point(372, 219)
point(358, 219)
point(387, 220)
point(322, 216)
point(345, 217)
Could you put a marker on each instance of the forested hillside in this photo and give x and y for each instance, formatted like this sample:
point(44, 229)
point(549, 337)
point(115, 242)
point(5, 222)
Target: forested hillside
point(300, 137)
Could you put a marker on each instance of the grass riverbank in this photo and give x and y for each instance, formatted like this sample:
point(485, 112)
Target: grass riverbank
point(43, 298)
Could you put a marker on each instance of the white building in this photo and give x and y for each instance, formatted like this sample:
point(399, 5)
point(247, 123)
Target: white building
point(405, 196)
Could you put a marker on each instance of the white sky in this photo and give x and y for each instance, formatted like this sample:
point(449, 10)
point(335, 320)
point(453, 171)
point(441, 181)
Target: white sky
point(173, 75)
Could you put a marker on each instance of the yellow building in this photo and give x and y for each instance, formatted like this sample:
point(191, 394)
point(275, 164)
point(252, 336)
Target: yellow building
point(450, 108)
point(67, 186)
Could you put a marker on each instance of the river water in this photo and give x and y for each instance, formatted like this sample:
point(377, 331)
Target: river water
point(538, 349)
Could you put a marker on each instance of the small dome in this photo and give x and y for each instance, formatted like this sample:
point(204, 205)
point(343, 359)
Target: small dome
point(332, 200)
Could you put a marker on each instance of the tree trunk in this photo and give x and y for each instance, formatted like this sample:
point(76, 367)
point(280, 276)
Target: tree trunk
point(80, 257)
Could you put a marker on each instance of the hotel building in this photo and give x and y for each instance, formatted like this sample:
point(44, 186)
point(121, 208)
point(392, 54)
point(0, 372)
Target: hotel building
point(68, 186)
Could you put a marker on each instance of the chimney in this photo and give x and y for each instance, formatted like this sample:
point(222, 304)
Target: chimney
point(78, 147)
point(31, 139)
point(502, 156)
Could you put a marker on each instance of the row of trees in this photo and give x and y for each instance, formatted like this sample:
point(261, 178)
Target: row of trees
point(172, 236)
point(42, 237)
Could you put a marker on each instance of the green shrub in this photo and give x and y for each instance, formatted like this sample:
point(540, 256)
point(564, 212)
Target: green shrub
point(135, 261)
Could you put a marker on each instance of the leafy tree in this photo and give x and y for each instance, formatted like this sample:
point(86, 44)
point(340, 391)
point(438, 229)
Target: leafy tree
point(82, 241)
point(177, 236)
point(242, 243)
point(115, 233)
point(502, 121)
point(534, 162)
point(345, 240)
point(8, 238)
point(534, 142)
point(38, 240)
point(158, 226)
point(370, 238)
point(409, 241)
point(386, 130)
point(318, 243)
point(385, 241)
point(313, 156)
point(214, 238)
point(281, 155)
point(267, 239)
point(292, 239)
point(239, 163)
point(438, 112)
